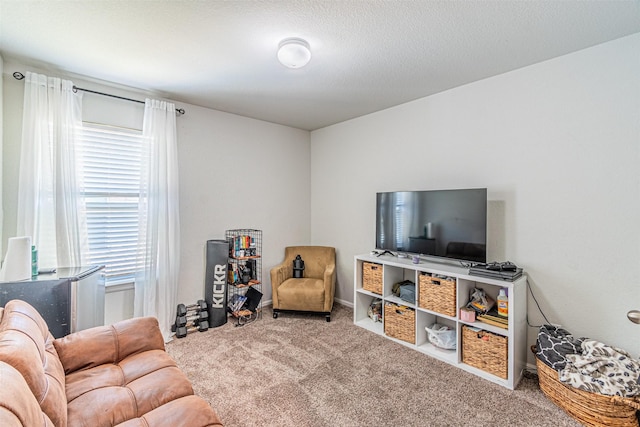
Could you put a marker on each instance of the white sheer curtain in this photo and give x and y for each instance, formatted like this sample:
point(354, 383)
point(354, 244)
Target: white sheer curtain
point(49, 209)
point(156, 286)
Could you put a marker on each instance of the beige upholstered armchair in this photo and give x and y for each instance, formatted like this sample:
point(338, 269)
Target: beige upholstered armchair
point(315, 290)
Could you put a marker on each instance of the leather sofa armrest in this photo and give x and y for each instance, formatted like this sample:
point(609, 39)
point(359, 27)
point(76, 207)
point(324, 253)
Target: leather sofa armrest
point(18, 405)
point(108, 344)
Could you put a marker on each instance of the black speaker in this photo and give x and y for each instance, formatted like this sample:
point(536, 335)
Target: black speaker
point(215, 281)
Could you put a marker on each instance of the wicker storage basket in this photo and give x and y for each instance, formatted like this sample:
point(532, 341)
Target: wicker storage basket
point(591, 409)
point(372, 277)
point(485, 350)
point(437, 294)
point(400, 322)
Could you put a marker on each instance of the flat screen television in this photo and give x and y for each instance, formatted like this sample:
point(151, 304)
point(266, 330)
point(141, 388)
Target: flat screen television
point(450, 224)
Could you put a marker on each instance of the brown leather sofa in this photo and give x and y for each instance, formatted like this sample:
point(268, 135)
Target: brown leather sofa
point(313, 292)
point(117, 375)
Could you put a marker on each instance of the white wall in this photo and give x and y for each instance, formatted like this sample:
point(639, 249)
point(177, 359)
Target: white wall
point(235, 172)
point(557, 146)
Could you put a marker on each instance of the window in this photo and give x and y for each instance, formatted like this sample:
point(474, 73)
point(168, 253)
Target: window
point(109, 176)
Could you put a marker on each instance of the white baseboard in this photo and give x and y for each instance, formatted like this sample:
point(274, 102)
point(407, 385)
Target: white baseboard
point(343, 302)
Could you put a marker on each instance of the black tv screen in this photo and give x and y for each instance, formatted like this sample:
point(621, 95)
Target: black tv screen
point(441, 223)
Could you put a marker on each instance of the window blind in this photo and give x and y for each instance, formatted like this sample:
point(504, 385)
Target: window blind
point(111, 160)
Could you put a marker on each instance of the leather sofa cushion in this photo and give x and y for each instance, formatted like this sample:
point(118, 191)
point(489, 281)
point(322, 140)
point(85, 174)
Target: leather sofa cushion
point(118, 373)
point(188, 411)
point(27, 345)
point(19, 406)
point(108, 344)
point(126, 391)
point(115, 375)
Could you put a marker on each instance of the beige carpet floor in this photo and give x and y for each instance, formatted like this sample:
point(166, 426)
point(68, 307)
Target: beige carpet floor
point(299, 370)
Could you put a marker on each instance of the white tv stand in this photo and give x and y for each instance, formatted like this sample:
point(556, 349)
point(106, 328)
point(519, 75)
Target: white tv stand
point(397, 269)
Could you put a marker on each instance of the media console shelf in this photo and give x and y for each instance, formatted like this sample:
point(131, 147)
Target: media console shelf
point(511, 351)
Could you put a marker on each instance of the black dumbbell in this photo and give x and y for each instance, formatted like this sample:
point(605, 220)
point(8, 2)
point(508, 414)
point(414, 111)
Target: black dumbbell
point(183, 320)
point(201, 326)
point(186, 313)
point(182, 309)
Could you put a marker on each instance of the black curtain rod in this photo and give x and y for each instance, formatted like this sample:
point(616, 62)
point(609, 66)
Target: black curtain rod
point(19, 76)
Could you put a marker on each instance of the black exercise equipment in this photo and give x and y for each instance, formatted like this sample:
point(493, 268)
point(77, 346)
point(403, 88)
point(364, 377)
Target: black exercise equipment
point(215, 281)
point(191, 318)
point(199, 316)
point(200, 305)
point(182, 331)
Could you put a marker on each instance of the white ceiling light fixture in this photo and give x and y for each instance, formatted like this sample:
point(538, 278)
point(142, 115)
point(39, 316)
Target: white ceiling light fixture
point(294, 52)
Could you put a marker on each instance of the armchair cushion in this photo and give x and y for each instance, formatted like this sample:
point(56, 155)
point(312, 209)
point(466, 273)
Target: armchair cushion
point(306, 292)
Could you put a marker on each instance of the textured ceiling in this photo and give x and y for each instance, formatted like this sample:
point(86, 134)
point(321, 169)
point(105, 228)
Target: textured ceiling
point(367, 55)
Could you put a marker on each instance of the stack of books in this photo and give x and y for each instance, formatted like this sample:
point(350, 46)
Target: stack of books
point(492, 318)
point(236, 302)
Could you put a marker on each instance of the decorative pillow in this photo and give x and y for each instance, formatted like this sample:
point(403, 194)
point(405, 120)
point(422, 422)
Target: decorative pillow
point(554, 344)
